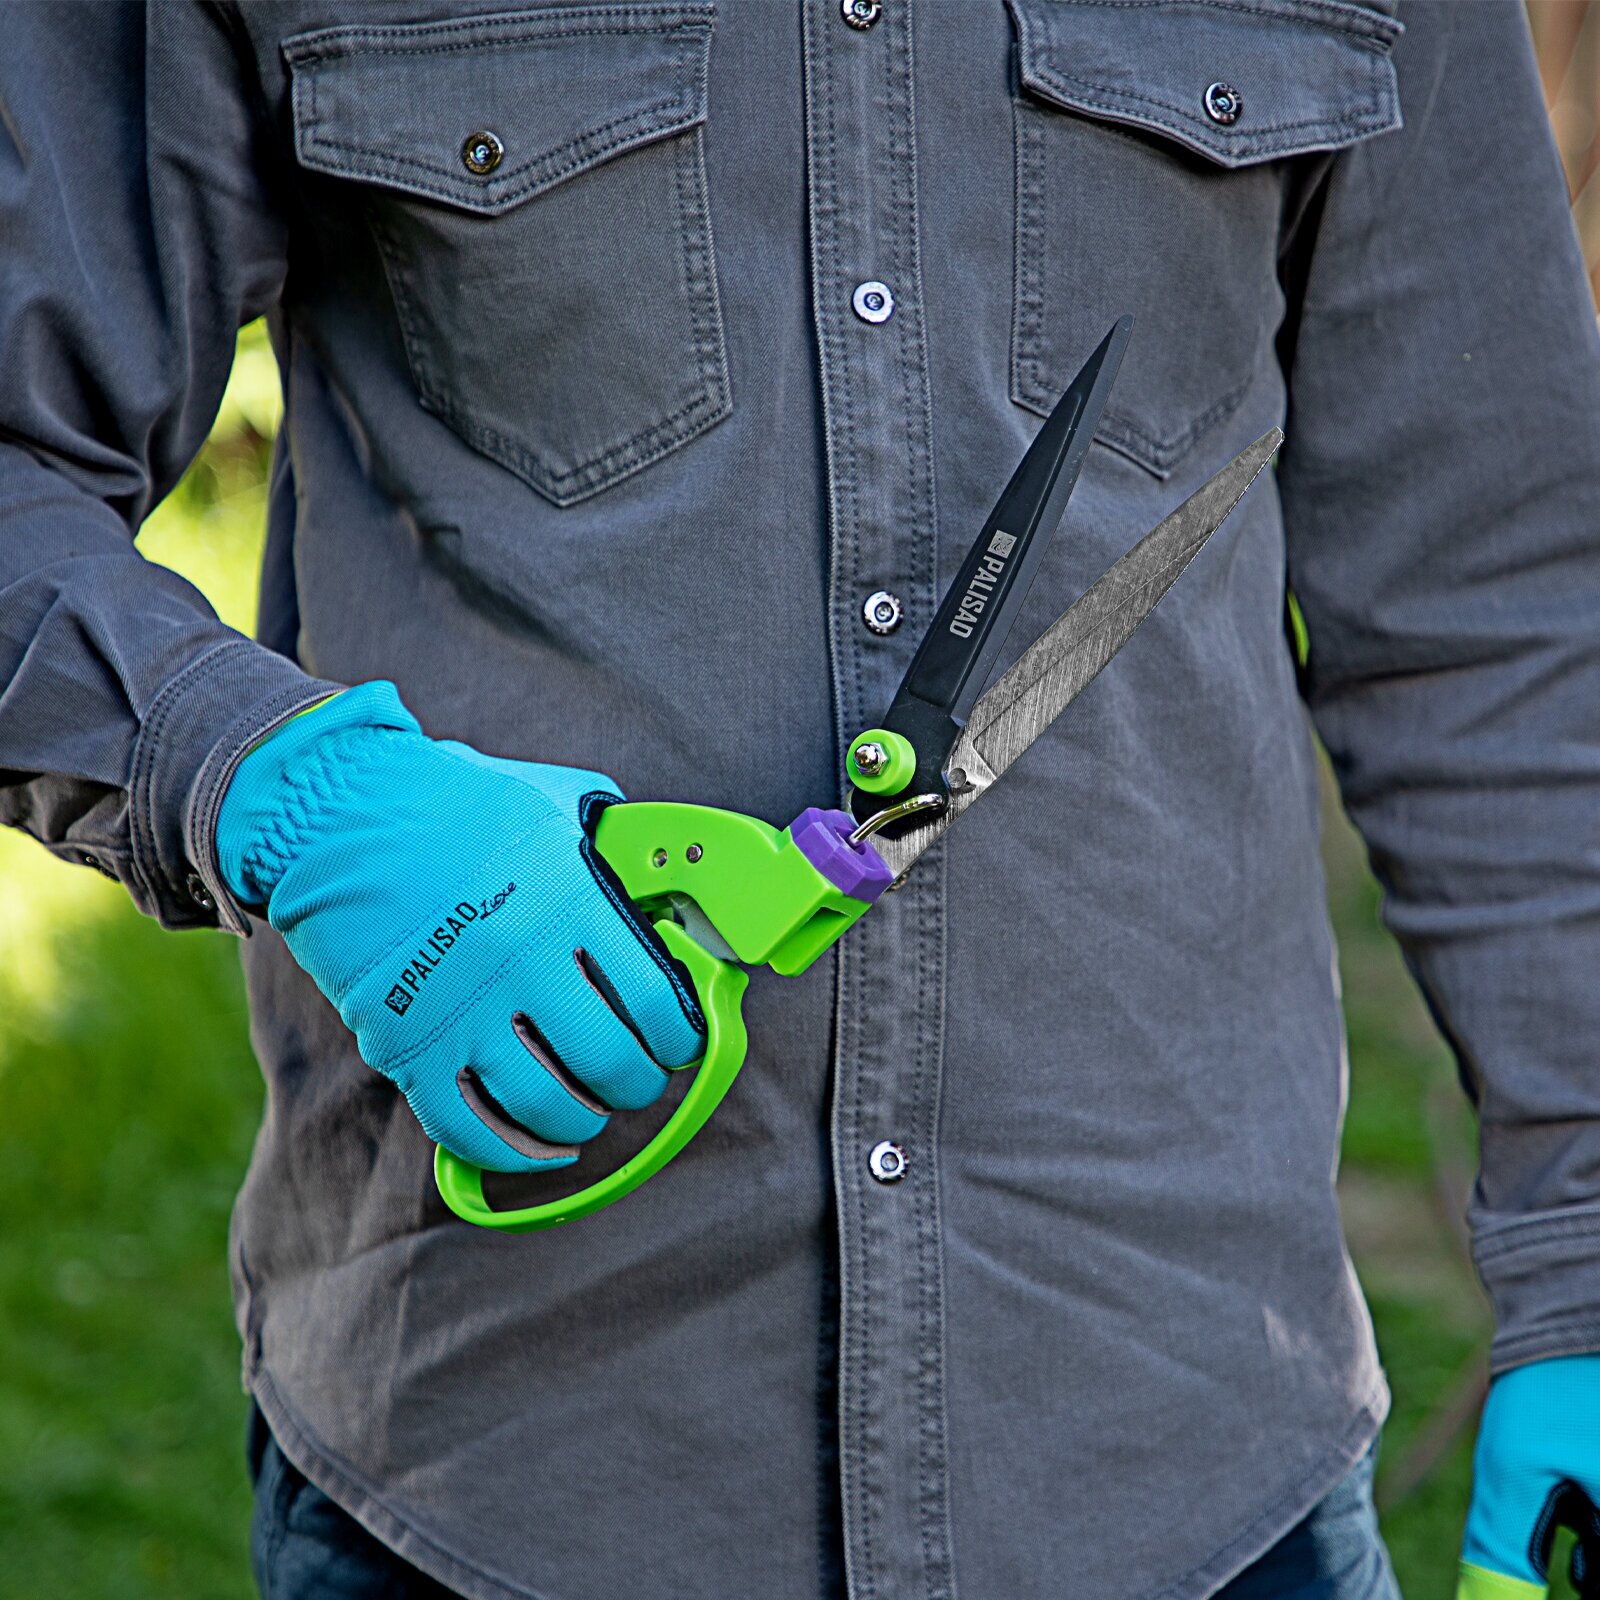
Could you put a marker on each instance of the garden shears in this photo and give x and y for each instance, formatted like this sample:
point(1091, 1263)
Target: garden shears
point(727, 891)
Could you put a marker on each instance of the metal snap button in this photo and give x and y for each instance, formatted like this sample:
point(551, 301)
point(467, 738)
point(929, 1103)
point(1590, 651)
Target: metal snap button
point(481, 152)
point(887, 1162)
point(198, 892)
point(861, 13)
point(872, 301)
point(1223, 103)
point(882, 611)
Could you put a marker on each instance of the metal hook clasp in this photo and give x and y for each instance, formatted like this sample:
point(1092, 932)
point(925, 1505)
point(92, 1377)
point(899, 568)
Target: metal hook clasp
point(911, 807)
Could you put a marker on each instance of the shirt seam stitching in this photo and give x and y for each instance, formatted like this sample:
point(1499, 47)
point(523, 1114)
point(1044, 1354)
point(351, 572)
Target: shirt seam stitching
point(1380, 36)
point(1527, 1233)
point(144, 838)
point(330, 44)
point(535, 176)
point(285, 1421)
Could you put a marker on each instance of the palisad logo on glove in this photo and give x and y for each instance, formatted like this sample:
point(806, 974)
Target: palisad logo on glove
point(443, 937)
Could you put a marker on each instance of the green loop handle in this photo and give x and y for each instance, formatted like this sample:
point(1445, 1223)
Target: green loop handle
point(720, 986)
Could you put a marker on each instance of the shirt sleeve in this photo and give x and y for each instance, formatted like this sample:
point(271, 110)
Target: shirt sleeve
point(138, 234)
point(1441, 490)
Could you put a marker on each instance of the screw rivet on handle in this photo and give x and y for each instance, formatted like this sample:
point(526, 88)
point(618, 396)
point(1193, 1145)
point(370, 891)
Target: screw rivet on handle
point(693, 854)
point(880, 761)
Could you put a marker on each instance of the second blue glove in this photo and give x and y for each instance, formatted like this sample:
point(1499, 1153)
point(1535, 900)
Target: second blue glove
point(452, 907)
point(1537, 1467)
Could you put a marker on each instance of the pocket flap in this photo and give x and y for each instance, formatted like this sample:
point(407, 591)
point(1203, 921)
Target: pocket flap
point(1305, 74)
point(559, 90)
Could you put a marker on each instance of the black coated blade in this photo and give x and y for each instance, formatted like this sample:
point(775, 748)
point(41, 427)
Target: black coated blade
point(1067, 657)
point(959, 650)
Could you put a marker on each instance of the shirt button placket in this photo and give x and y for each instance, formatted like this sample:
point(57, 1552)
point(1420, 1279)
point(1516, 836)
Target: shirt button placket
point(866, 294)
point(873, 302)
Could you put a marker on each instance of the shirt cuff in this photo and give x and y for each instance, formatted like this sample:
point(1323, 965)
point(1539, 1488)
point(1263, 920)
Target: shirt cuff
point(193, 737)
point(1542, 1274)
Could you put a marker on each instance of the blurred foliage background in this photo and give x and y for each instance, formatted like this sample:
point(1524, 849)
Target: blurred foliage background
point(128, 1101)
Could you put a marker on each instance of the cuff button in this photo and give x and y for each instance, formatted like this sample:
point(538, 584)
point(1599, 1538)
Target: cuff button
point(198, 892)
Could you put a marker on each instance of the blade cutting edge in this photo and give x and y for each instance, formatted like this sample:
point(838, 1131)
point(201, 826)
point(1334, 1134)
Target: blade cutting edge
point(1069, 654)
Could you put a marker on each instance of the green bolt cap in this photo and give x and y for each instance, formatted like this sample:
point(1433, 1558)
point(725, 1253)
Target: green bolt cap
point(880, 762)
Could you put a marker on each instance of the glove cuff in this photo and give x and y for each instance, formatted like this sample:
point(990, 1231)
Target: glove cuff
point(284, 785)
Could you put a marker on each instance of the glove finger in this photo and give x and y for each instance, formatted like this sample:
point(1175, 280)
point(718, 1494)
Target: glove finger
point(529, 1085)
point(595, 1043)
point(641, 983)
point(468, 1128)
point(643, 986)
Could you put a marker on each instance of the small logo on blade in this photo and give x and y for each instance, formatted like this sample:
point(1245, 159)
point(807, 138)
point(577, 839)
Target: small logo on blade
point(980, 586)
point(399, 998)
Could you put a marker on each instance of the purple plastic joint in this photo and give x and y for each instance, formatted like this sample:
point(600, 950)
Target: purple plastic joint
point(824, 840)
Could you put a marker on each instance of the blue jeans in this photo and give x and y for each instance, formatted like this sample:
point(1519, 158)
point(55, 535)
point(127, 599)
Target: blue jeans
point(1334, 1553)
point(303, 1547)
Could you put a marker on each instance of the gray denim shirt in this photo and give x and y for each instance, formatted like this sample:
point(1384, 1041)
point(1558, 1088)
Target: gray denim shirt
point(592, 455)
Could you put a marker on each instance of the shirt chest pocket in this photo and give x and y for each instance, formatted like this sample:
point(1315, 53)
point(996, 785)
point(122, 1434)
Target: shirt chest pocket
point(536, 184)
point(1152, 150)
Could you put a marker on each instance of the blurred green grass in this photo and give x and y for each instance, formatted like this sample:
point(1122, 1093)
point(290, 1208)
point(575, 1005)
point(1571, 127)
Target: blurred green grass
point(128, 1100)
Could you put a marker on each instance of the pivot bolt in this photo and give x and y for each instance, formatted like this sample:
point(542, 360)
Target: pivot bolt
point(880, 761)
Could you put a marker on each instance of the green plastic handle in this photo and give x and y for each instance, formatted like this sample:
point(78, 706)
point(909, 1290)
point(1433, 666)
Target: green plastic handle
point(1480, 1583)
point(720, 986)
point(768, 903)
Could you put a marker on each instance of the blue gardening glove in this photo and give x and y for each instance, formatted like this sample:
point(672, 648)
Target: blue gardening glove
point(1537, 1465)
point(453, 908)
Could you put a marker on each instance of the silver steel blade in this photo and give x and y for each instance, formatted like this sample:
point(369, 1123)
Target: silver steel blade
point(1055, 669)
